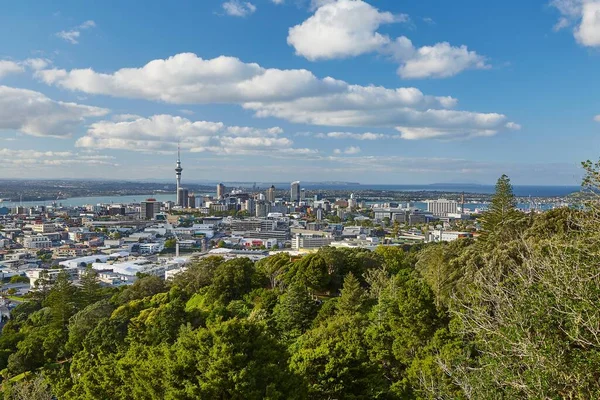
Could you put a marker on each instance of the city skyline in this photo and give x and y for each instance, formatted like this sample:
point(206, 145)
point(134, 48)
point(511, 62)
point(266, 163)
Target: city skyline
point(375, 92)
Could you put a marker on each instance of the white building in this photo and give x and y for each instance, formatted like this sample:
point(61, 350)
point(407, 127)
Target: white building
point(151, 248)
point(447, 236)
point(301, 241)
point(36, 242)
point(82, 262)
point(43, 228)
point(442, 207)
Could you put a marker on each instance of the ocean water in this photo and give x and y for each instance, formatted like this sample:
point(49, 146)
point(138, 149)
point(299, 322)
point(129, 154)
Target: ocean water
point(519, 190)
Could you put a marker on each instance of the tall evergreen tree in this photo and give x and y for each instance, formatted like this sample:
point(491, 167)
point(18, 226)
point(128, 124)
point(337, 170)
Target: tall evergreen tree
point(502, 219)
point(353, 296)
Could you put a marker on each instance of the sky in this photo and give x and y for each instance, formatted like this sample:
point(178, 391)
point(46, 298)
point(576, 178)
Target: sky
point(374, 91)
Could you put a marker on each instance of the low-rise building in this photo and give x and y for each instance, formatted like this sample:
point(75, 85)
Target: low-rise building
point(37, 242)
point(306, 242)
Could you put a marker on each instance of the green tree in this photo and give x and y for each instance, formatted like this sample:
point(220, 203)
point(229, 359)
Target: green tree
point(295, 311)
point(353, 296)
point(274, 267)
point(334, 359)
point(90, 287)
point(62, 300)
point(502, 218)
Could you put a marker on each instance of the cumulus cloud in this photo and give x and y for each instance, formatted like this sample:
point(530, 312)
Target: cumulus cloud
point(164, 132)
point(345, 28)
point(8, 67)
point(588, 32)
point(237, 8)
point(35, 114)
point(278, 1)
point(72, 36)
point(439, 61)
point(348, 28)
point(294, 95)
point(584, 15)
point(348, 150)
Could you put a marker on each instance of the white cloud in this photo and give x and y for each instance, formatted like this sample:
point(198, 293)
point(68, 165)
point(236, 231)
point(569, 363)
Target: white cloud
point(345, 28)
point(35, 114)
point(278, 1)
point(351, 135)
point(348, 150)
point(37, 64)
point(237, 8)
point(584, 14)
point(125, 117)
point(69, 36)
point(15, 67)
point(161, 133)
point(294, 95)
point(35, 159)
point(9, 67)
point(597, 118)
point(72, 36)
point(588, 32)
point(315, 4)
point(439, 61)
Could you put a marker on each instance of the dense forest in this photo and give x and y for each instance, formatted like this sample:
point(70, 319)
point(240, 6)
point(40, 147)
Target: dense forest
point(511, 314)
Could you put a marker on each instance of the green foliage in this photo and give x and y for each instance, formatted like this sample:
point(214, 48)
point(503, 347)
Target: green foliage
point(333, 358)
point(295, 311)
point(19, 279)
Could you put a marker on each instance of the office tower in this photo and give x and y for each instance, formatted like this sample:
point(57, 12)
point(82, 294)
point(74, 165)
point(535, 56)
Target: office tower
point(319, 214)
point(270, 195)
point(220, 191)
point(302, 194)
point(192, 201)
point(149, 209)
point(182, 196)
point(295, 192)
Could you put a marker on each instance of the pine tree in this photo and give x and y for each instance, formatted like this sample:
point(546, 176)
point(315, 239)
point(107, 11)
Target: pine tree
point(502, 215)
point(352, 298)
point(90, 287)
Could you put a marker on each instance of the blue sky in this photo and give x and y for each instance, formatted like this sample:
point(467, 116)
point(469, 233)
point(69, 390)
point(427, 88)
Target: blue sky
point(375, 91)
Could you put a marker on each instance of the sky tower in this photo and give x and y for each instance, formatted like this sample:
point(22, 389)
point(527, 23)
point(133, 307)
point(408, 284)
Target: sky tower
point(178, 170)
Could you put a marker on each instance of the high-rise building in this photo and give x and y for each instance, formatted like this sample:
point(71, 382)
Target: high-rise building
point(220, 191)
point(149, 209)
point(302, 194)
point(270, 194)
point(192, 201)
point(295, 192)
point(182, 197)
point(441, 207)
